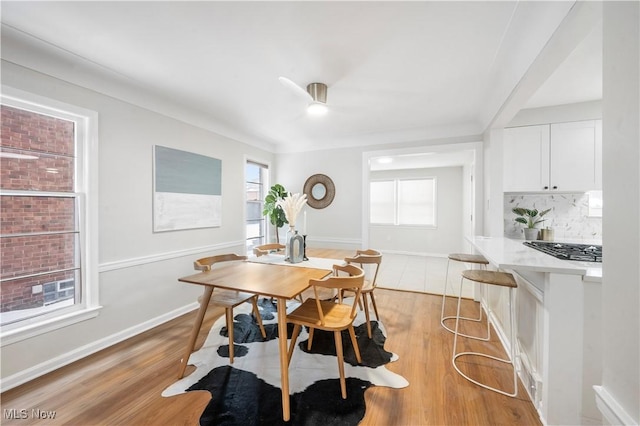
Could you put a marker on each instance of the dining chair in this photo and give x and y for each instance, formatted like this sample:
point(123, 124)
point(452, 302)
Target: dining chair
point(367, 257)
point(229, 299)
point(330, 315)
point(265, 249)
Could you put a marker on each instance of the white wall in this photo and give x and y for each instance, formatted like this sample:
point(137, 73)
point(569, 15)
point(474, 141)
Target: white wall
point(138, 269)
point(340, 224)
point(446, 237)
point(493, 195)
point(621, 215)
point(337, 225)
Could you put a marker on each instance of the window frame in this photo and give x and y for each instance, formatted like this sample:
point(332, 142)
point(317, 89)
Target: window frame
point(396, 200)
point(86, 194)
point(265, 189)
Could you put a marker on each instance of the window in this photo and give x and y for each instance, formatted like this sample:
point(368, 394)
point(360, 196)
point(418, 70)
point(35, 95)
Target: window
point(403, 202)
point(256, 176)
point(49, 251)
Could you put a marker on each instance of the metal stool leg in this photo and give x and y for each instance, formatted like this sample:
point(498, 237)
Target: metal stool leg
point(511, 360)
point(443, 318)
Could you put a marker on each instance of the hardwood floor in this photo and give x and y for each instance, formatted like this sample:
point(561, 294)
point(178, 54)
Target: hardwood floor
point(122, 384)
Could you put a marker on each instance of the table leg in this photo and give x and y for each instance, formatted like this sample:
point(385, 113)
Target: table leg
point(204, 303)
point(284, 362)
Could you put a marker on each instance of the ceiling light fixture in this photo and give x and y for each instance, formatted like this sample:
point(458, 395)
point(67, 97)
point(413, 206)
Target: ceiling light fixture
point(317, 108)
point(318, 93)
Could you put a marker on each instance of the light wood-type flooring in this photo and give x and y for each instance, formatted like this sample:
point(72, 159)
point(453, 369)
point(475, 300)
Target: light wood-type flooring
point(121, 385)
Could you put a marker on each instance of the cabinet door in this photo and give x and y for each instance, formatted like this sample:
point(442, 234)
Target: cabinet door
point(574, 149)
point(526, 158)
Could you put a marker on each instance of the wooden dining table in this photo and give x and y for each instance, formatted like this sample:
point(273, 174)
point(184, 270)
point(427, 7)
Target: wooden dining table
point(277, 280)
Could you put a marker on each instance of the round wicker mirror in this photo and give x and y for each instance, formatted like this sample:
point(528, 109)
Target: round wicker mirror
point(320, 191)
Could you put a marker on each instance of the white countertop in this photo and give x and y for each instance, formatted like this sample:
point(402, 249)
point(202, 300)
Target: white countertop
point(506, 253)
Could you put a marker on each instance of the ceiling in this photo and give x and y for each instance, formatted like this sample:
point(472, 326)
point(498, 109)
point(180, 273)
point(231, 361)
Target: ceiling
point(396, 71)
point(422, 160)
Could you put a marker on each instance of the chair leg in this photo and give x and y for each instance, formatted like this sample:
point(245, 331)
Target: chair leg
point(229, 317)
point(375, 307)
point(354, 342)
point(256, 312)
point(310, 340)
point(366, 313)
point(294, 338)
point(343, 384)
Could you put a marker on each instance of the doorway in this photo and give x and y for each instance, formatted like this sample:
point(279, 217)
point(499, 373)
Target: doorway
point(456, 170)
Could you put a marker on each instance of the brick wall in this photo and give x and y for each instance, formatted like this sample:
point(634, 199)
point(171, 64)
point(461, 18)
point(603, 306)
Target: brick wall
point(51, 141)
point(36, 132)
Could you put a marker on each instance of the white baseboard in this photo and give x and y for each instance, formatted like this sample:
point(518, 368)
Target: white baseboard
point(84, 351)
point(611, 410)
point(339, 243)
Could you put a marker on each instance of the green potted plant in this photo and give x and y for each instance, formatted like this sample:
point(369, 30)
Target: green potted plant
point(272, 210)
point(531, 218)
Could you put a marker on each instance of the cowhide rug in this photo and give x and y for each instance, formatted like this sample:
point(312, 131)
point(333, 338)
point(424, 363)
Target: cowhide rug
point(248, 393)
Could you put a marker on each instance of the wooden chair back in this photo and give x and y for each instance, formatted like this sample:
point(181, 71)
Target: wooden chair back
point(344, 277)
point(267, 248)
point(367, 257)
point(206, 263)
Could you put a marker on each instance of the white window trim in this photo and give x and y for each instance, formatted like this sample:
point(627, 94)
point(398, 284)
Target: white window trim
point(86, 181)
point(266, 185)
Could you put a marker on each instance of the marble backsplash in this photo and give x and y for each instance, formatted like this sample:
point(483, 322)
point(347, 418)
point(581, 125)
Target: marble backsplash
point(569, 216)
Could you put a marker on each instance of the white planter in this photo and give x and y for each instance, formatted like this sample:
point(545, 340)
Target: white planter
point(531, 234)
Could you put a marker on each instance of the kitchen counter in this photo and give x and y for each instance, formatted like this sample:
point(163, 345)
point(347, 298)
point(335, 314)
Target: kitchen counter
point(558, 304)
point(506, 253)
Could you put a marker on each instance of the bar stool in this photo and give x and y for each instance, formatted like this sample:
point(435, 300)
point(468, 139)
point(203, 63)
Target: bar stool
point(502, 279)
point(475, 259)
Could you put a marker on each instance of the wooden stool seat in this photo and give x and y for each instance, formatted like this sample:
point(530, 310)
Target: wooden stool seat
point(490, 277)
point(469, 258)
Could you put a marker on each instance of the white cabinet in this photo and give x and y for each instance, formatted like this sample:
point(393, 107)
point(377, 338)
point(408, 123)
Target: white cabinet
point(526, 158)
point(553, 157)
point(576, 155)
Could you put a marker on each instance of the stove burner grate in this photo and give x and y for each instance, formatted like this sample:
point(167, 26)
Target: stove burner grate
point(582, 252)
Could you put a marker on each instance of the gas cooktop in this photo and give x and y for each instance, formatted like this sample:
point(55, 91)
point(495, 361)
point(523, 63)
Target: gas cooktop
point(583, 252)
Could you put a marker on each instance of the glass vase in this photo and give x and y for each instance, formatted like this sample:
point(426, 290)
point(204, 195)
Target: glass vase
point(291, 232)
